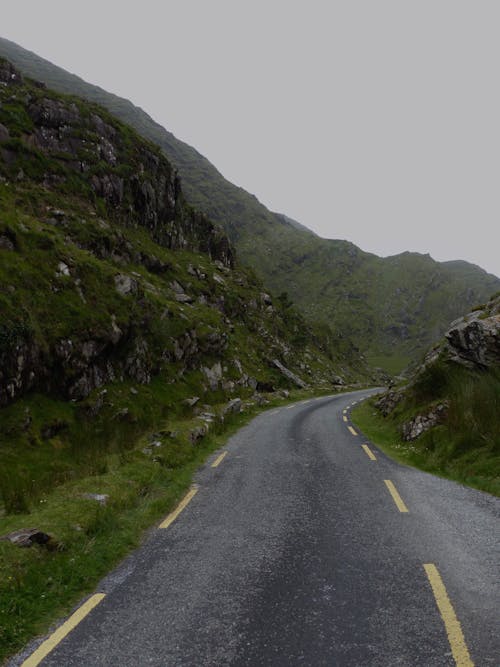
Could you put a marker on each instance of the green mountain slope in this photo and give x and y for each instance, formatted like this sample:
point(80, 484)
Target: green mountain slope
point(130, 341)
point(392, 308)
point(108, 278)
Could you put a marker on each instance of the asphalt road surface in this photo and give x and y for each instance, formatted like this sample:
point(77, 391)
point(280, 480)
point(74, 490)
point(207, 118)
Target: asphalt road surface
point(299, 548)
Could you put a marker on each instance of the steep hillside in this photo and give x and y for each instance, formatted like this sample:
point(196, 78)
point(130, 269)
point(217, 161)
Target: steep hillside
point(109, 279)
point(391, 308)
point(446, 419)
point(130, 341)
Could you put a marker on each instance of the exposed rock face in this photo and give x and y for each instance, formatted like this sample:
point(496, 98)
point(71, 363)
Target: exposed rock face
point(139, 187)
point(213, 375)
point(93, 145)
point(9, 75)
point(74, 368)
point(388, 401)
point(475, 339)
point(21, 363)
point(422, 423)
point(125, 284)
point(288, 374)
point(233, 407)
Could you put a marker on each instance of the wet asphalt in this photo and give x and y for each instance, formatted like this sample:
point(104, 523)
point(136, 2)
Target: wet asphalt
point(293, 552)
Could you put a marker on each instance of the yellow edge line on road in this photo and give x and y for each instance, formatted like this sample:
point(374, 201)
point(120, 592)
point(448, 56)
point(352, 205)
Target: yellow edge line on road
point(369, 452)
point(344, 418)
point(395, 496)
point(184, 502)
point(219, 459)
point(450, 620)
point(344, 412)
point(352, 430)
point(289, 407)
point(49, 644)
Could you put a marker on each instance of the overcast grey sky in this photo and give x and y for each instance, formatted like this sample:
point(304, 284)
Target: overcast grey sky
point(376, 121)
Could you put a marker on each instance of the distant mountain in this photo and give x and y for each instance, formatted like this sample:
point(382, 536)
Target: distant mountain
point(392, 308)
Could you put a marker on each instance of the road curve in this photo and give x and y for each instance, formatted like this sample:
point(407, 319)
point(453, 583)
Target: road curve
point(302, 547)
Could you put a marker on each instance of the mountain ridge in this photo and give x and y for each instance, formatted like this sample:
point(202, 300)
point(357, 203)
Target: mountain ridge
point(333, 281)
point(89, 188)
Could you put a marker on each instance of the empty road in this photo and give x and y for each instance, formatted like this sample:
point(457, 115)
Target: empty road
point(302, 544)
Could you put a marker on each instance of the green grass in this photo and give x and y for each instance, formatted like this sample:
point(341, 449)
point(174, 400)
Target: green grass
point(393, 364)
point(460, 449)
point(37, 585)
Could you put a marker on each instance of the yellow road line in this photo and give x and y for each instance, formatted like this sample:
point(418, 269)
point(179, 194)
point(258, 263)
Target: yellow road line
point(184, 502)
point(344, 412)
point(344, 418)
point(308, 401)
point(369, 452)
point(55, 638)
point(219, 460)
point(395, 496)
point(352, 430)
point(289, 407)
point(450, 620)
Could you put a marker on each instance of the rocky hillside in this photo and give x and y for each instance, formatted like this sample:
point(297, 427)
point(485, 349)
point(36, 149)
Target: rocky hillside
point(131, 340)
point(120, 304)
point(392, 308)
point(449, 412)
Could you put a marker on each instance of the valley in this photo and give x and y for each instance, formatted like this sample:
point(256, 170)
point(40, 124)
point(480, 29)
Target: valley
point(163, 332)
point(391, 308)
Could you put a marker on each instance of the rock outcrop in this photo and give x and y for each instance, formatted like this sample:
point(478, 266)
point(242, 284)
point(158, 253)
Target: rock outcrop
point(388, 401)
point(475, 339)
point(133, 177)
point(421, 423)
point(27, 537)
point(289, 374)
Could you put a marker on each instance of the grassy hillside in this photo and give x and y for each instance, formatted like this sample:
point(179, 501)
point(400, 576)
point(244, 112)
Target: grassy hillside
point(391, 308)
point(130, 341)
point(108, 278)
point(446, 420)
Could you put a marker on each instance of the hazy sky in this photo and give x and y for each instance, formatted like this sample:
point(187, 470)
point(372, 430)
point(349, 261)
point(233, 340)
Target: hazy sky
point(377, 121)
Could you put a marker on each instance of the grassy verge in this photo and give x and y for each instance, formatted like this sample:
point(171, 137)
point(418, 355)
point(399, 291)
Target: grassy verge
point(143, 483)
point(394, 364)
point(433, 452)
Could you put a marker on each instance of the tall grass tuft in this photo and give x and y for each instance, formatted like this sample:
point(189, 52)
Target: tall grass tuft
point(474, 415)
